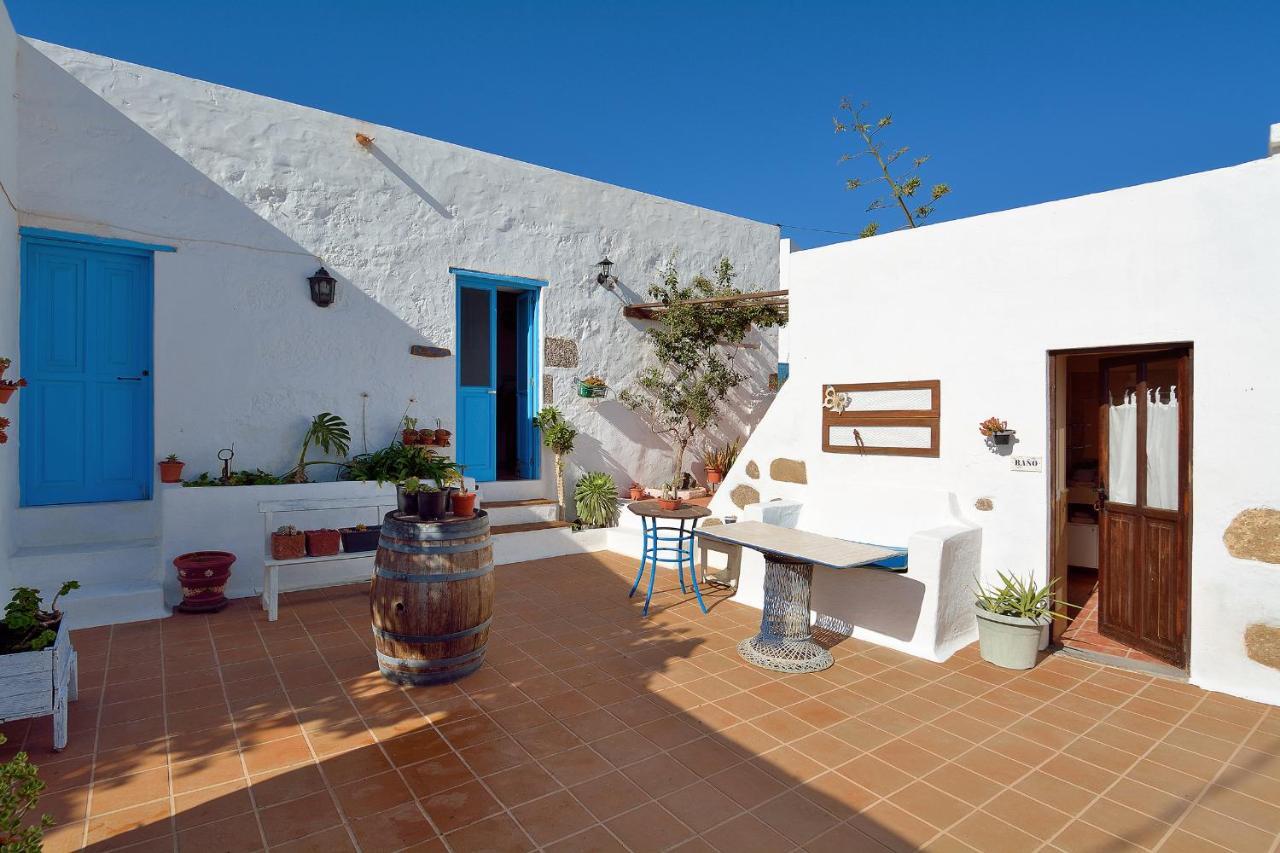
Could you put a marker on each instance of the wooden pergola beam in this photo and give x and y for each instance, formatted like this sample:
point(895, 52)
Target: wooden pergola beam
point(654, 310)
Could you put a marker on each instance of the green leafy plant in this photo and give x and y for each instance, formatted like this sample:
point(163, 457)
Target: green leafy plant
point(596, 500)
point(903, 186)
point(1020, 597)
point(694, 348)
point(28, 627)
point(443, 470)
point(256, 477)
point(411, 486)
point(722, 458)
point(408, 423)
point(328, 432)
point(20, 789)
point(559, 437)
point(391, 464)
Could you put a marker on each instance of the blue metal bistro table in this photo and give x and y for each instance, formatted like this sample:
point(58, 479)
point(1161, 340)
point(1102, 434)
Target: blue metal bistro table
point(785, 642)
point(667, 539)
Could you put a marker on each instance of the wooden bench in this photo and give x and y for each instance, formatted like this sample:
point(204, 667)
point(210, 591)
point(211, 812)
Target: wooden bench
point(271, 567)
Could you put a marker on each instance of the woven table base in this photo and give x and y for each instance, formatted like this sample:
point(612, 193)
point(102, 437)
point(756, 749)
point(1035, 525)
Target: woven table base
point(785, 642)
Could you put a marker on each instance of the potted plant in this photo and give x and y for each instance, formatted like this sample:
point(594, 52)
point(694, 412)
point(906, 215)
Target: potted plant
point(171, 469)
point(596, 500)
point(1012, 616)
point(559, 437)
point(636, 491)
point(4, 365)
point(203, 576)
point(408, 430)
point(592, 386)
point(996, 430)
point(670, 498)
point(432, 502)
point(4, 425)
point(7, 387)
point(718, 461)
point(323, 542)
point(442, 435)
point(464, 502)
point(407, 496)
point(360, 538)
point(36, 661)
point(288, 543)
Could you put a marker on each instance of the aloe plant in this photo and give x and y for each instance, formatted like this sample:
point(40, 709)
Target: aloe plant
point(1020, 597)
point(596, 500)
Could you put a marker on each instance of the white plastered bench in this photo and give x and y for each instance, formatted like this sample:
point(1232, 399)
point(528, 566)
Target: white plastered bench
point(927, 612)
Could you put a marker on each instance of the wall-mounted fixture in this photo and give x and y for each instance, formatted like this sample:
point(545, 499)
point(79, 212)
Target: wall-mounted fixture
point(364, 140)
point(323, 287)
point(605, 276)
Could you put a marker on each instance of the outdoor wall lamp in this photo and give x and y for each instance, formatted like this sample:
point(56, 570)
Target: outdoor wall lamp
point(323, 287)
point(604, 276)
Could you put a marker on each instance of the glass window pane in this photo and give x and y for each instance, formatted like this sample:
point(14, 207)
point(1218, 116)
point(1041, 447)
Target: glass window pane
point(1162, 434)
point(1122, 434)
point(474, 336)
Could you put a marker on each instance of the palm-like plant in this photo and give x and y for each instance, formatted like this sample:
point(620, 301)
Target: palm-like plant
point(559, 437)
point(328, 432)
point(596, 500)
point(1020, 597)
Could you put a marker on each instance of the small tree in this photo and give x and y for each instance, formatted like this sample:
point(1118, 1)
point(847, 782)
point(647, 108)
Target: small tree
point(903, 186)
point(694, 347)
point(559, 437)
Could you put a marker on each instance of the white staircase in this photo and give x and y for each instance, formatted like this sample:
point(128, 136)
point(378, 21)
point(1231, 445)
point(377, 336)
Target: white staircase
point(112, 549)
point(524, 524)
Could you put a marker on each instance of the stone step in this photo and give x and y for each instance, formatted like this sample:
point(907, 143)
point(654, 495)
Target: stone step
point(136, 560)
point(97, 604)
point(502, 513)
point(527, 527)
point(513, 490)
point(538, 540)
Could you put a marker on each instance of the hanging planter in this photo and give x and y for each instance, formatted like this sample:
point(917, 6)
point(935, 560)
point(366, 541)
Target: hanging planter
point(592, 386)
point(7, 388)
point(996, 431)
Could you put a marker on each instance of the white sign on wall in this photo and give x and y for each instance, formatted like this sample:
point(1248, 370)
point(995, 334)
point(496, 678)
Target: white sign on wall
point(1029, 464)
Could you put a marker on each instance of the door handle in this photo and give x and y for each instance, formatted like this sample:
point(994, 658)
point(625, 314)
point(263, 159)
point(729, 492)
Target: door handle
point(133, 378)
point(1102, 498)
point(492, 392)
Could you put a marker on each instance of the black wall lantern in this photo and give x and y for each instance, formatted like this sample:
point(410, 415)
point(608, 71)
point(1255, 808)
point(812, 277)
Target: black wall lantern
point(323, 287)
point(604, 276)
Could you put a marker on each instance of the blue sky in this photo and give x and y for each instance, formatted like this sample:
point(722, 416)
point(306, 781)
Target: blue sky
point(729, 104)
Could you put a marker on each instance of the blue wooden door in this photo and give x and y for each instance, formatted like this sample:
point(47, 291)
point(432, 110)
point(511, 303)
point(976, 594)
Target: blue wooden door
point(86, 417)
point(526, 384)
point(478, 381)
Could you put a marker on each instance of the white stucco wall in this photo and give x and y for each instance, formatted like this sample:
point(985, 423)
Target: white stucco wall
point(256, 193)
point(8, 277)
point(978, 303)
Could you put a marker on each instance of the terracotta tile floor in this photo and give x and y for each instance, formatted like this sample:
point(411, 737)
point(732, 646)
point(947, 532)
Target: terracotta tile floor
point(590, 728)
point(1083, 634)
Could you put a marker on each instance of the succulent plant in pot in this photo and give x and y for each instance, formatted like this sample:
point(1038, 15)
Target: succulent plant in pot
point(636, 491)
point(432, 502)
point(592, 386)
point(996, 430)
point(323, 542)
point(360, 538)
point(670, 497)
point(288, 543)
point(442, 435)
point(463, 502)
point(718, 460)
point(171, 469)
point(1012, 617)
point(8, 386)
point(407, 495)
point(408, 430)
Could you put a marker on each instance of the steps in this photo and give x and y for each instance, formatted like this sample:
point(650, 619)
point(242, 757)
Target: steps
point(538, 540)
point(119, 581)
point(502, 513)
point(513, 490)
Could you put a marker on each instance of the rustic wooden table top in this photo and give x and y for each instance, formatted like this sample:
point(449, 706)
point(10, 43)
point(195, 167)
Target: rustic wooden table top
point(652, 509)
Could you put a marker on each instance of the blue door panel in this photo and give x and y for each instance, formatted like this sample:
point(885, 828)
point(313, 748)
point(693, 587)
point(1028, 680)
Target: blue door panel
point(477, 451)
point(86, 417)
point(478, 382)
point(526, 356)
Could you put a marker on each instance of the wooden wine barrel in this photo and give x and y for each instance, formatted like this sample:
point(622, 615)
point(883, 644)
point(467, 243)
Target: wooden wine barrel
point(432, 597)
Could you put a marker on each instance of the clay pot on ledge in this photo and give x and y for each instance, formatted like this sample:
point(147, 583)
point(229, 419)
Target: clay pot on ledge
point(171, 471)
point(637, 492)
point(442, 437)
point(408, 437)
point(204, 576)
point(714, 475)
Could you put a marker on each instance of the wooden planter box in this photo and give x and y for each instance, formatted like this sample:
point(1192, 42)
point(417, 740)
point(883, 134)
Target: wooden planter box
point(33, 684)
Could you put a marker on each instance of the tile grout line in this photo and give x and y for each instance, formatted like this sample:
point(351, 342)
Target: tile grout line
point(97, 732)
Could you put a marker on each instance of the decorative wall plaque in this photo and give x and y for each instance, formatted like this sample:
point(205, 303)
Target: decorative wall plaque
point(882, 418)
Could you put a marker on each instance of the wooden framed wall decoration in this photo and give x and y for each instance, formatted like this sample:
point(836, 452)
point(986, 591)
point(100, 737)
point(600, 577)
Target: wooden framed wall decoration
point(882, 418)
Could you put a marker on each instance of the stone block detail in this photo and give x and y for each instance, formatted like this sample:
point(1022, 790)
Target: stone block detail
point(743, 495)
point(1254, 535)
point(753, 470)
point(548, 392)
point(788, 471)
point(1262, 644)
point(984, 504)
point(560, 352)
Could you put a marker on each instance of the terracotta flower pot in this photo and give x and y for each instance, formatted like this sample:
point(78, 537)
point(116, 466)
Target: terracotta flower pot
point(669, 505)
point(204, 576)
point(464, 505)
point(426, 437)
point(323, 542)
point(6, 391)
point(288, 546)
point(409, 436)
point(442, 437)
point(714, 475)
point(171, 472)
point(637, 494)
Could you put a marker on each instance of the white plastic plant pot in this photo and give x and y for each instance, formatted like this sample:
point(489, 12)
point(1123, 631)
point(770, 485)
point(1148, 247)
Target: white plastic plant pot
point(1011, 642)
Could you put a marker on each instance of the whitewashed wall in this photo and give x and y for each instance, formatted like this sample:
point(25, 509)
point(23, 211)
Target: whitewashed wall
point(256, 193)
point(977, 303)
point(8, 276)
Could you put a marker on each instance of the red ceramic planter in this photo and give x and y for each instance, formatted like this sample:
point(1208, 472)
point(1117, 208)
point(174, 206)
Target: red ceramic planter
point(464, 506)
point(285, 546)
point(323, 542)
point(171, 472)
point(204, 576)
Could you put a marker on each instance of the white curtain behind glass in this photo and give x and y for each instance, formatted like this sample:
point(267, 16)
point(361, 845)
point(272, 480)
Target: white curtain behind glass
point(1122, 451)
point(1162, 450)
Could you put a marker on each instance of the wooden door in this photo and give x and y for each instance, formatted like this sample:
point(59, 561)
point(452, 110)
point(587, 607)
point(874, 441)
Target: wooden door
point(1144, 502)
point(86, 420)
